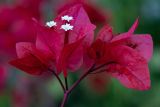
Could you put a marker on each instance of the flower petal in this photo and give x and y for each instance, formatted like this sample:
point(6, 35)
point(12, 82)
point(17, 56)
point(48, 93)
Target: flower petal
point(130, 68)
point(25, 49)
point(71, 57)
point(30, 64)
point(49, 40)
point(134, 26)
point(143, 44)
point(82, 27)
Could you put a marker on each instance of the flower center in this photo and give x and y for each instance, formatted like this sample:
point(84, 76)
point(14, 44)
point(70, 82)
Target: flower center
point(51, 24)
point(67, 27)
point(67, 18)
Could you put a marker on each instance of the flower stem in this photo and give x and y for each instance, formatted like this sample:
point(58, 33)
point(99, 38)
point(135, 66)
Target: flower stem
point(80, 79)
point(66, 83)
point(68, 91)
point(65, 97)
point(61, 83)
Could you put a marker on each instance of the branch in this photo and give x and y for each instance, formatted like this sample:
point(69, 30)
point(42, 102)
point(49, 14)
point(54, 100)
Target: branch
point(61, 83)
point(64, 99)
point(101, 71)
point(92, 69)
point(80, 79)
point(66, 83)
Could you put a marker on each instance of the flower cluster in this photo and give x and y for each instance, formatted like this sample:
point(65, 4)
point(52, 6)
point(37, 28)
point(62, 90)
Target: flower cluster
point(124, 56)
point(68, 43)
point(65, 26)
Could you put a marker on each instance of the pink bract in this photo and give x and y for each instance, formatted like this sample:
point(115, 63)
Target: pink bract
point(126, 56)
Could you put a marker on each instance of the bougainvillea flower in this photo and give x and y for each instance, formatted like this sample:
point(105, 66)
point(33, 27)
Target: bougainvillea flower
point(64, 49)
point(96, 15)
point(14, 29)
point(32, 6)
point(124, 56)
point(72, 25)
point(16, 24)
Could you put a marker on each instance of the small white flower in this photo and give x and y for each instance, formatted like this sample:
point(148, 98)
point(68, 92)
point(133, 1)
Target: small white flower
point(67, 18)
point(51, 23)
point(67, 27)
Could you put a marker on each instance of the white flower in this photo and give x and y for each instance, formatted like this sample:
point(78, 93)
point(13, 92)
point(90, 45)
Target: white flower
point(67, 18)
point(67, 27)
point(51, 23)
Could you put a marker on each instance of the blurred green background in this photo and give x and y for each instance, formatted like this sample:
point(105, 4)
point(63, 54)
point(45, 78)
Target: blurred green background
point(124, 13)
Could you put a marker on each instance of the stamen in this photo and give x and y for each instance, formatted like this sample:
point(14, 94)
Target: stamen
point(67, 27)
point(51, 23)
point(67, 18)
